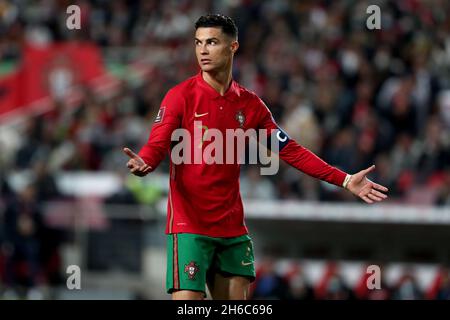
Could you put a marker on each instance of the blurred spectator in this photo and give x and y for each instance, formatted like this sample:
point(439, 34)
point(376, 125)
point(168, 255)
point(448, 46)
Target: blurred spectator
point(269, 284)
point(337, 289)
point(435, 149)
point(440, 288)
point(254, 186)
point(332, 286)
point(23, 234)
point(443, 292)
point(299, 287)
point(443, 198)
point(45, 183)
point(124, 195)
point(407, 288)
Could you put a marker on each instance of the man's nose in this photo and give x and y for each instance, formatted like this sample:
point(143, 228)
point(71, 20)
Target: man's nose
point(203, 50)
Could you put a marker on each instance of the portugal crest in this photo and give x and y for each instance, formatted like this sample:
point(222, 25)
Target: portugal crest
point(191, 269)
point(240, 117)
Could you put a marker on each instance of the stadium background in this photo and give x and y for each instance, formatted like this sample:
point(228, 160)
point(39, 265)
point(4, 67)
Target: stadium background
point(71, 99)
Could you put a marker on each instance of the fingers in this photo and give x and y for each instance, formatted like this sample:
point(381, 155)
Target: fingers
point(132, 163)
point(378, 194)
point(368, 170)
point(147, 170)
point(134, 169)
point(130, 153)
point(374, 197)
point(366, 199)
point(139, 170)
point(369, 191)
point(371, 195)
point(380, 187)
point(144, 168)
point(136, 165)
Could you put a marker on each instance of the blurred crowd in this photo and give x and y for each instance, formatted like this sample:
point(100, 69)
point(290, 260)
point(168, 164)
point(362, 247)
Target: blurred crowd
point(353, 96)
point(293, 282)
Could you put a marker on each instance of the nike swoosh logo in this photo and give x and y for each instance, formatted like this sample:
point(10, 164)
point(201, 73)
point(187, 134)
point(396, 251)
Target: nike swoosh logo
point(246, 263)
point(200, 115)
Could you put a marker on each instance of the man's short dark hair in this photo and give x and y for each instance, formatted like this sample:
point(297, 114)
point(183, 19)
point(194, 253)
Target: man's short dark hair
point(218, 20)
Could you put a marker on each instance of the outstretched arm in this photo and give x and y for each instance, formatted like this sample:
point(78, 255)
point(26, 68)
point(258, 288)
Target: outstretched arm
point(158, 144)
point(306, 161)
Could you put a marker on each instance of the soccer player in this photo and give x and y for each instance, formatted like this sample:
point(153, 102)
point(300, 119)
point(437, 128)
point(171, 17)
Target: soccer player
point(207, 240)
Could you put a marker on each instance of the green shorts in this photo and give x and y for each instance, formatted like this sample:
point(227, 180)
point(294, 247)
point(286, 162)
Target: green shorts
point(191, 258)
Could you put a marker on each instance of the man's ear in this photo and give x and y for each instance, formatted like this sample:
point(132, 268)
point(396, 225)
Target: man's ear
point(234, 46)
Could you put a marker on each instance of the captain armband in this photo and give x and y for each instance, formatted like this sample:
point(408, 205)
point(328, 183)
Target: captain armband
point(277, 140)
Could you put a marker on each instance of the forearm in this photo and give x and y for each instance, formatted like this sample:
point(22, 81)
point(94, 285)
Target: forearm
point(152, 155)
point(306, 161)
point(168, 119)
point(157, 146)
point(296, 155)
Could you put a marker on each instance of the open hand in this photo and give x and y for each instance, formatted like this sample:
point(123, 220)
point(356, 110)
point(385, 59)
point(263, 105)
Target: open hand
point(364, 188)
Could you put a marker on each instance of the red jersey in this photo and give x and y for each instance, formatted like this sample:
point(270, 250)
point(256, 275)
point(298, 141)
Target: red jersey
point(205, 198)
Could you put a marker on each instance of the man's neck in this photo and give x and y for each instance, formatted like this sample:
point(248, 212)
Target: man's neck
point(220, 81)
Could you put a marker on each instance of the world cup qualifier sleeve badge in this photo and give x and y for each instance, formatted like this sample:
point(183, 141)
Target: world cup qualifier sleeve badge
point(191, 270)
point(240, 117)
point(160, 115)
